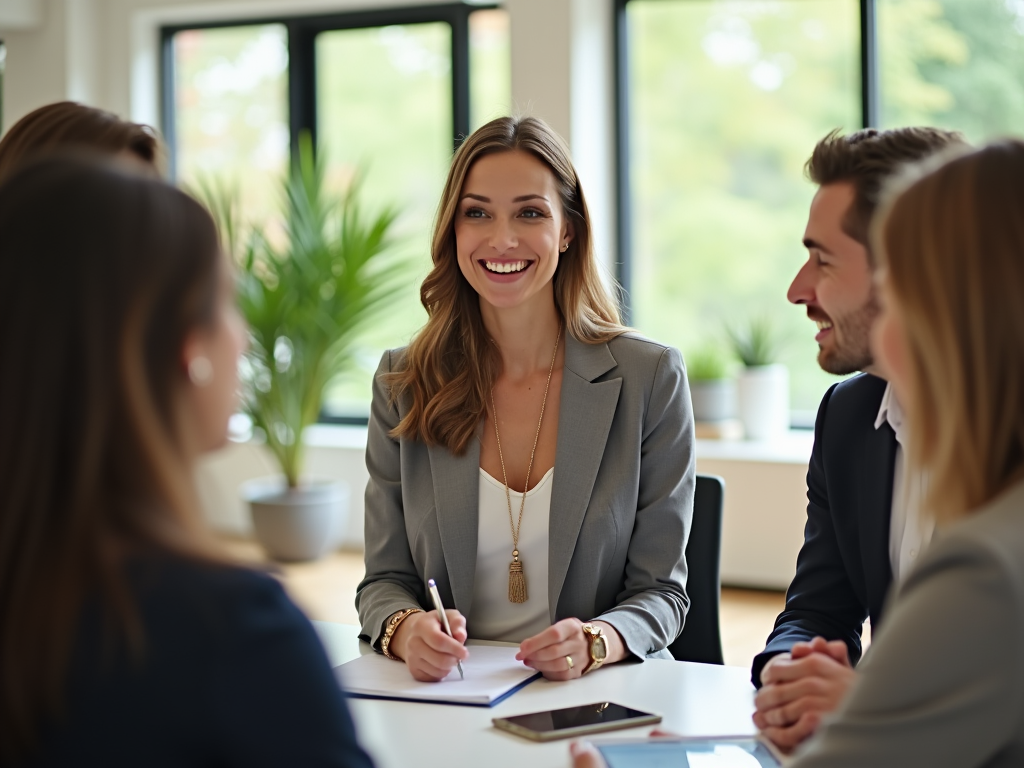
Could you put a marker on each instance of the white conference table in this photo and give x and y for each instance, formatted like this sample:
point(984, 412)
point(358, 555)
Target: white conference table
point(693, 699)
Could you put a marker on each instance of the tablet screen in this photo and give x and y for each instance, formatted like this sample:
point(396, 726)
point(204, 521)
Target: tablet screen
point(689, 753)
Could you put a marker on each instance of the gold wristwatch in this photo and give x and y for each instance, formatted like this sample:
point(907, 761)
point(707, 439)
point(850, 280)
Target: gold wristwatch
point(598, 646)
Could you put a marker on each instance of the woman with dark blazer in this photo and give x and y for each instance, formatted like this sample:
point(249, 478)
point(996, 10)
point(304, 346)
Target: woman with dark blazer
point(127, 638)
point(526, 452)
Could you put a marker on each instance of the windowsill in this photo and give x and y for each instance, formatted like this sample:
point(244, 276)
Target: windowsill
point(793, 447)
point(336, 436)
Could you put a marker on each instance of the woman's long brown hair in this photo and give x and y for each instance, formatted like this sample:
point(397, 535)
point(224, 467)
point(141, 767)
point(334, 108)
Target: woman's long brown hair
point(67, 125)
point(105, 272)
point(450, 366)
point(952, 240)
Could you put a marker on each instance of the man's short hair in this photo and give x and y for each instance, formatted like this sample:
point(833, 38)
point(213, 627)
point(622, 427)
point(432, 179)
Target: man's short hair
point(866, 159)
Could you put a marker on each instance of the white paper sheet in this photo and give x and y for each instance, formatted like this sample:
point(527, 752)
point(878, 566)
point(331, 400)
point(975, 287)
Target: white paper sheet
point(491, 672)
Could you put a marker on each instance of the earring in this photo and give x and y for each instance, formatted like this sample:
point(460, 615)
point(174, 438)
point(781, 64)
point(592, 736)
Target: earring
point(200, 371)
point(565, 247)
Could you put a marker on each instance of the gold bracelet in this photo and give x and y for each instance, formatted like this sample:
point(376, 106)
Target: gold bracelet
point(397, 619)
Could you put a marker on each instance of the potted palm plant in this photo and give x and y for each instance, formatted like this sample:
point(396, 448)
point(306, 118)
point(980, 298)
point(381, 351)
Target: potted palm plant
point(305, 303)
point(762, 389)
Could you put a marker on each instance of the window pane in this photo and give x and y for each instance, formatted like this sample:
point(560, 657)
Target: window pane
point(727, 99)
point(953, 64)
point(231, 112)
point(384, 106)
point(490, 66)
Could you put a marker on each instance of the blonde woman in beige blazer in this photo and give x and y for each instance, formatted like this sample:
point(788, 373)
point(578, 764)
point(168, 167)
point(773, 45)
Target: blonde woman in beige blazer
point(599, 418)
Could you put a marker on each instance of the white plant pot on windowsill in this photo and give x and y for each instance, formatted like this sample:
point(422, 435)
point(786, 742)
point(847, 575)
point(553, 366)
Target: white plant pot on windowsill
point(296, 524)
point(763, 401)
point(713, 399)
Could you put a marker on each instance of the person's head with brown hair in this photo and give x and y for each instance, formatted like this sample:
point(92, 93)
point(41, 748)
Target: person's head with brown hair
point(866, 160)
point(835, 284)
point(67, 125)
point(950, 246)
point(119, 370)
point(451, 364)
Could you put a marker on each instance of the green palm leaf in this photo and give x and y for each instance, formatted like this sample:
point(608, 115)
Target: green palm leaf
point(306, 302)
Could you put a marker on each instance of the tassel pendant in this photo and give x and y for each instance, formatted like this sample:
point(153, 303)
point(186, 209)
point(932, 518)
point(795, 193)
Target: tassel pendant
point(516, 580)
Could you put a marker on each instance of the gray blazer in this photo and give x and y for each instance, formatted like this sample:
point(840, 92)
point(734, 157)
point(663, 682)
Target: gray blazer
point(621, 502)
point(943, 681)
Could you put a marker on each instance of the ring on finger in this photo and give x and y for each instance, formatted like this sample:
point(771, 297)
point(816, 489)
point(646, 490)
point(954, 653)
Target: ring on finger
point(568, 660)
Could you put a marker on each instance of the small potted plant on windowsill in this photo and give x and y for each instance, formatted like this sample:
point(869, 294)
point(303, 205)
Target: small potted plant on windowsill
point(712, 389)
point(762, 389)
point(305, 302)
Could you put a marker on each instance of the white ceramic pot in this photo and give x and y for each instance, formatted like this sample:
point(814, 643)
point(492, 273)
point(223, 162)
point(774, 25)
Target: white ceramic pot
point(294, 524)
point(713, 400)
point(762, 395)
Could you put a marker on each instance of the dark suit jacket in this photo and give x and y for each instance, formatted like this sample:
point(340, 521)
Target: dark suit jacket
point(231, 674)
point(843, 571)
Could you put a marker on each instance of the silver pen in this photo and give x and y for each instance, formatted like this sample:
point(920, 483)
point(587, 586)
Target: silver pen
point(432, 588)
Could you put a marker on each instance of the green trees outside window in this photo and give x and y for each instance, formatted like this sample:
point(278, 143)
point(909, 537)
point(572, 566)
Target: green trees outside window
point(726, 99)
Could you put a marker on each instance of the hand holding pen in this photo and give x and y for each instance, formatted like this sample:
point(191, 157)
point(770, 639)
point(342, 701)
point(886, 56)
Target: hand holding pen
point(427, 650)
point(432, 588)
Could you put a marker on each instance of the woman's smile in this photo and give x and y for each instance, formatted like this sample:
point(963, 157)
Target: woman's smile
point(505, 271)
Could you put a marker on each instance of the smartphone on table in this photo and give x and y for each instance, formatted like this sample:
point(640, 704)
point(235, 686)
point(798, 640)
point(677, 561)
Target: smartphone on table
point(572, 722)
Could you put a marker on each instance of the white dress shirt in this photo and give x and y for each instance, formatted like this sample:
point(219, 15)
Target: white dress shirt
point(909, 530)
point(492, 615)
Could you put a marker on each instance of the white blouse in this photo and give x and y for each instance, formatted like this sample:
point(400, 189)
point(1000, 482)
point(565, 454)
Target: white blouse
point(910, 530)
point(493, 616)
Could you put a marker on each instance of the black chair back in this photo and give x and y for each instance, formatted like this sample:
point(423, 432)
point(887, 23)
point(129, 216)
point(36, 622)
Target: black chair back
point(701, 639)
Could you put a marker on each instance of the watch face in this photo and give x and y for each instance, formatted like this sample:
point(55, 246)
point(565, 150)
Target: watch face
point(599, 648)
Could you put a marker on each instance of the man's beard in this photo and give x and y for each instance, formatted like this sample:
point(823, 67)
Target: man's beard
point(851, 341)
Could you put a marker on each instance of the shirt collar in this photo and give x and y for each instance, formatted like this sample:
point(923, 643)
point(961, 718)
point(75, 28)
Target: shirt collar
point(892, 412)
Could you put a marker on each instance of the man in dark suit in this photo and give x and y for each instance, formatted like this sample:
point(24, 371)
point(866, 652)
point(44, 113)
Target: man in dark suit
point(862, 513)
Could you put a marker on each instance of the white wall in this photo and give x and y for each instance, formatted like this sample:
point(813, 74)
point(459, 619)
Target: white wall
point(20, 14)
point(35, 72)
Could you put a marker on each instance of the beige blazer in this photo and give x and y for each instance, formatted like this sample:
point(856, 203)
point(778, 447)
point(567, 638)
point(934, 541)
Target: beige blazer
point(621, 502)
point(943, 682)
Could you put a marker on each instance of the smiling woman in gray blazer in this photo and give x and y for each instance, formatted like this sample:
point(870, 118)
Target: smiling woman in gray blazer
point(526, 452)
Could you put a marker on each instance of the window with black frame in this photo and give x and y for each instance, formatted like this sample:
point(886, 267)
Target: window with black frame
point(386, 95)
point(721, 102)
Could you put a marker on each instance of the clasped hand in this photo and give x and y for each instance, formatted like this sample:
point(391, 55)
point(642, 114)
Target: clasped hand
point(799, 688)
point(547, 651)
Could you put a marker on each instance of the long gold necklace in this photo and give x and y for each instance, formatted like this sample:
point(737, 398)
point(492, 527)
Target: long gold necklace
point(516, 577)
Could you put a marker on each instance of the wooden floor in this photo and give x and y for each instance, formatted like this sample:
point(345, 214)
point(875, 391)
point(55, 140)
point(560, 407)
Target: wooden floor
point(326, 590)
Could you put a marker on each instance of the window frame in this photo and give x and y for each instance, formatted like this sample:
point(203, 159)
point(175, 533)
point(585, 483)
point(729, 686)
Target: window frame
point(302, 31)
point(870, 111)
point(870, 101)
